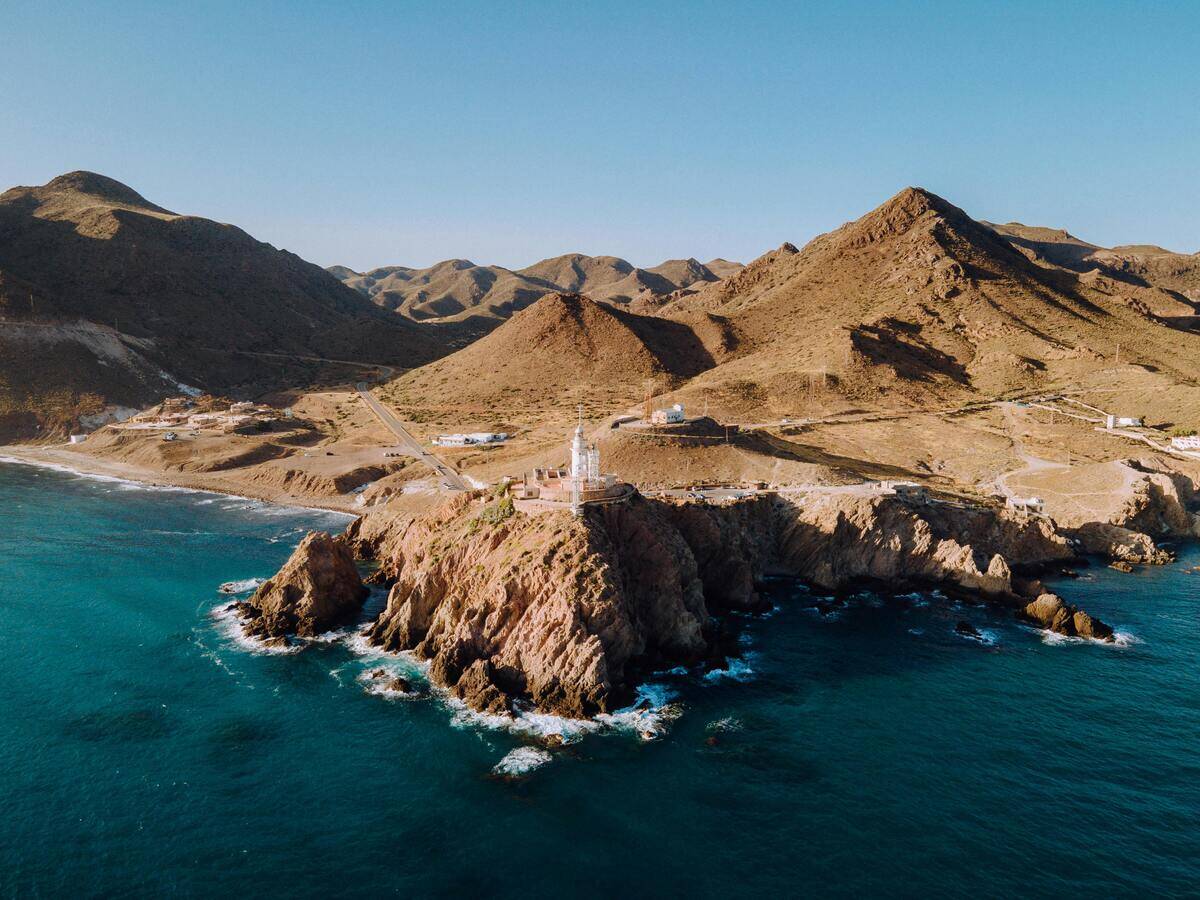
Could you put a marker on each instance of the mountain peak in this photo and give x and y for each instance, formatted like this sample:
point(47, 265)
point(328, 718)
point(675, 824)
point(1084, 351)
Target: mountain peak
point(914, 202)
point(101, 187)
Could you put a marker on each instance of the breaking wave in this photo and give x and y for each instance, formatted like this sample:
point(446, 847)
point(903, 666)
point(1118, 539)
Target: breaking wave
point(230, 625)
point(522, 761)
point(736, 669)
point(245, 586)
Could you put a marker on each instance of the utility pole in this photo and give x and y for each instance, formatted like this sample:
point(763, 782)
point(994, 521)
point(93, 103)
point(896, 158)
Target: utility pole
point(1118, 353)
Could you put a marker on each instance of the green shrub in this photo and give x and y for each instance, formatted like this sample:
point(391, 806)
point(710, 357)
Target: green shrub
point(496, 512)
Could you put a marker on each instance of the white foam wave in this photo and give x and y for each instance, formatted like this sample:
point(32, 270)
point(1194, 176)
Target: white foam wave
point(522, 761)
point(649, 716)
point(725, 725)
point(736, 669)
point(985, 636)
point(245, 586)
point(1121, 639)
point(381, 685)
point(230, 624)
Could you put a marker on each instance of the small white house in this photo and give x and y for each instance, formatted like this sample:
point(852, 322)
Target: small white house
point(1026, 504)
point(1111, 422)
point(78, 438)
point(670, 416)
point(1187, 442)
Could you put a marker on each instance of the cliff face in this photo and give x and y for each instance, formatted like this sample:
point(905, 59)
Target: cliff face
point(565, 612)
point(547, 607)
point(1119, 508)
point(317, 589)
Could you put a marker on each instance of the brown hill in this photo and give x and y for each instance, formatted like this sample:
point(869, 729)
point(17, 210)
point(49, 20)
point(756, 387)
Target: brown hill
point(106, 298)
point(1144, 265)
point(563, 349)
point(723, 268)
point(460, 289)
point(917, 302)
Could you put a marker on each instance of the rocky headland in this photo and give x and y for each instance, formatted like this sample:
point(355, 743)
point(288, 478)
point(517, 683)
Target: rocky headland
point(317, 589)
point(569, 614)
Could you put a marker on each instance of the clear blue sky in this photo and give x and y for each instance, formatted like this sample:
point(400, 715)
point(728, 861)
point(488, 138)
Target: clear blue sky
point(375, 133)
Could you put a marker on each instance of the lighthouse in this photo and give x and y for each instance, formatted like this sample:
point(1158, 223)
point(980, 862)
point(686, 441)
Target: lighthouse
point(579, 455)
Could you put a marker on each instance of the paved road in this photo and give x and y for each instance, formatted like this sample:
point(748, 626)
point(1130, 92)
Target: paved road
point(449, 478)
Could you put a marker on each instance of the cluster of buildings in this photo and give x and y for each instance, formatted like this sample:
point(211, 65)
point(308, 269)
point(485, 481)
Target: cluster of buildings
point(180, 413)
point(471, 440)
point(582, 483)
point(1186, 442)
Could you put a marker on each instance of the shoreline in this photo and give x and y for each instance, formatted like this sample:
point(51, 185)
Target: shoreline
point(55, 456)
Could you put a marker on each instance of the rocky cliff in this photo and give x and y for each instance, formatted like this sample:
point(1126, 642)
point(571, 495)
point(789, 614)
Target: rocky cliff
point(317, 589)
point(567, 612)
point(1129, 505)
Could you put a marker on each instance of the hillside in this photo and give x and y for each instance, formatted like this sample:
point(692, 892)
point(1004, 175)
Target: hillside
point(916, 302)
point(118, 300)
point(460, 289)
point(564, 349)
point(1139, 264)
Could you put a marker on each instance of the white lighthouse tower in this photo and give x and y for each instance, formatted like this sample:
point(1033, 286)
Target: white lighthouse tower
point(579, 466)
point(579, 455)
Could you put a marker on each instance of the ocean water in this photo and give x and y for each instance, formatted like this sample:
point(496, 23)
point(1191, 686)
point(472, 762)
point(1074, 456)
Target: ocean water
point(873, 752)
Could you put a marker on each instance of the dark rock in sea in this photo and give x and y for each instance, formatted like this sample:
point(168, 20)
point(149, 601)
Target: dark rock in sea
point(1120, 565)
point(1051, 612)
point(399, 684)
point(317, 589)
point(966, 629)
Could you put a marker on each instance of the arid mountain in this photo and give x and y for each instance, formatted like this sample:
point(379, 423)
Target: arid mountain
point(563, 348)
point(107, 299)
point(1139, 264)
point(918, 302)
point(460, 289)
point(723, 268)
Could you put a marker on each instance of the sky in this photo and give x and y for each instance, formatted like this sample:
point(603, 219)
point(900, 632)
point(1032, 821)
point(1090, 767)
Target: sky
point(369, 134)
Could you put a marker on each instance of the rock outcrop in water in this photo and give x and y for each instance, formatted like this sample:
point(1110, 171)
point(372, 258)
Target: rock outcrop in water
point(1051, 612)
point(317, 589)
point(566, 612)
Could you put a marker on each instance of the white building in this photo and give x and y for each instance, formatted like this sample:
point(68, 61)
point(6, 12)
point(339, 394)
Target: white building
point(78, 438)
point(1111, 422)
point(669, 416)
point(581, 483)
point(1026, 504)
point(467, 440)
point(1187, 442)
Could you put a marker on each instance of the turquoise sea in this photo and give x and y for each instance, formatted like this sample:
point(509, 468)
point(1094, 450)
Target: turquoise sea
point(871, 753)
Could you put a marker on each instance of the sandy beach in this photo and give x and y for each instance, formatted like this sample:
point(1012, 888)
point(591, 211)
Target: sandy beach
point(62, 456)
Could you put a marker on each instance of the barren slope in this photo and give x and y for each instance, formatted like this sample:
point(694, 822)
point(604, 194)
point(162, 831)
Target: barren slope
point(111, 289)
point(458, 289)
point(917, 303)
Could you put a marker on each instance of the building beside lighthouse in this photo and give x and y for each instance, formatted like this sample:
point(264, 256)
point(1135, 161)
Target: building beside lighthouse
point(581, 483)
